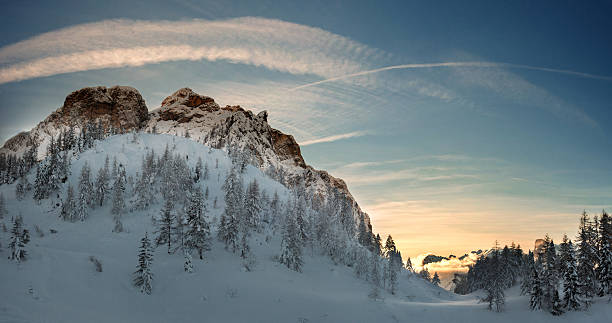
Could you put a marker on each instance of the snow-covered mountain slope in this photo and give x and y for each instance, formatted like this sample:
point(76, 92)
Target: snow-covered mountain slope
point(58, 282)
point(186, 113)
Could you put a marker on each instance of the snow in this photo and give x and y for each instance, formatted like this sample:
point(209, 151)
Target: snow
point(58, 282)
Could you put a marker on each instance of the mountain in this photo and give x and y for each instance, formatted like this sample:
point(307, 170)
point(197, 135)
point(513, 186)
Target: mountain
point(243, 230)
point(186, 113)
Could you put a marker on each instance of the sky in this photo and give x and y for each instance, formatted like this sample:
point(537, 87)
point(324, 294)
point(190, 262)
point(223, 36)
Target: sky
point(454, 124)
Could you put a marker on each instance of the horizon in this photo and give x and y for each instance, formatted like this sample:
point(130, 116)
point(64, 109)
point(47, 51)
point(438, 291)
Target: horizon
point(450, 140)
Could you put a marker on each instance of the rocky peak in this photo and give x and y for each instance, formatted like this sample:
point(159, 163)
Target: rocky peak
point(188, 98)
point(121, 107)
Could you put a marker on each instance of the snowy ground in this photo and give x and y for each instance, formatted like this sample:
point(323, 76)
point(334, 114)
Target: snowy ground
point(58, 283)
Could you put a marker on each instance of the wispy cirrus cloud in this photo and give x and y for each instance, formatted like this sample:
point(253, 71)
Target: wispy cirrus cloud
point(274, 44)
point(334, 138)
point(454, 64)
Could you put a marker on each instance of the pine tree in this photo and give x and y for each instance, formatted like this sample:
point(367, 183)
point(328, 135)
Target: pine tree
point(20, 189)
point(198, 170)
point(197, 236)
point(557, 308)
point(69, 208)
point(40, 183)
point(424, 274)
point(252, 206)
point(291, 250)
point(166, 225)
point(528, 268)
point(229, 226)
point(188, 263)
point(586, 260)
point(143, 277)
point(374, 277)
point(247, 256)
point(3, 211)
point(571, 288)
point(536, 293)
point(364, 236)
point(495, 283)
point(409, 266)
point(436, 279)
point(301, 218)
point(19, 238)
point(604, 269)
point(101, 185)
point(390, 248)
point(362, 265)
point(549, 275)
point(85, 193)
point(145, 196)
point(118, 195)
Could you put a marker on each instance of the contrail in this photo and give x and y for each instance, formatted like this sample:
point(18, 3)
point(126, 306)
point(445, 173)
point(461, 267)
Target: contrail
point(455, 64)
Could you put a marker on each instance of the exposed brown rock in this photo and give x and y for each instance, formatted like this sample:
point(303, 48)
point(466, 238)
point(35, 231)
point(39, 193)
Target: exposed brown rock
point(286, 147)
point(120, 107)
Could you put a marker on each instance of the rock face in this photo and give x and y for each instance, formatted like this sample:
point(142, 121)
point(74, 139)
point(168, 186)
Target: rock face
point(186, 113)
point(121, 107)
point(231, 126)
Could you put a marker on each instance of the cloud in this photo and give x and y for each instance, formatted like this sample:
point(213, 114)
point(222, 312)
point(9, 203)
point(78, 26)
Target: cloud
point(454, 64)
point(334, 138)
point(273, 44)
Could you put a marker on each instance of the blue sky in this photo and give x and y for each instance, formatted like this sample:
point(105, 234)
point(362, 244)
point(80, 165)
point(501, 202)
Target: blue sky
point(509, 146)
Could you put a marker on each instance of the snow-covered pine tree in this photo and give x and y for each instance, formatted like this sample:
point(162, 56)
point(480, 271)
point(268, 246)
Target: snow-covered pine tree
point(536, 293)
point(527, 273)
point(563, 256)
point(143, 277)
point(346, 215)
point(409, 267)
point(291, 249)
point(118, 195)
point(198, 170)
point(436, 279)
point(557, 307)
point(165, 225)
point(494, 285)
point(188, 266)
point(21, 188)
point(19, 238)
point(362, 261)
point(391, 273)
point(3, 211)
point(425, 275)
point(252, 206)
point(604, 268)
point(274, 209)
point(363, 235)
point(145, 196)
point(571, 288)
point(374, 276)
point(247, 256)
point(229, 226)
point(549, 275)
point(101, 186)
point(40, 183)
point(301, 217)
point(69, 207)
point(85, 193)
point(586, 257)
point(197, 236)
